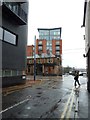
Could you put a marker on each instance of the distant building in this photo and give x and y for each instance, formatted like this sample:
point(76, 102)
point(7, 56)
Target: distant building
point(13, 40)
point(86, 24)
point(49, 39)
point(48, 46)
point(44, 66)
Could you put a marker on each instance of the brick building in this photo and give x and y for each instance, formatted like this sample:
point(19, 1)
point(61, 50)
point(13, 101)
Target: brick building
point(30, 51)
point(44, 66)
point(49, 39)
point(48, 46)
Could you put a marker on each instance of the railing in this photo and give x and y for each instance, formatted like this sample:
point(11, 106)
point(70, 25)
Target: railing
point(16, 9)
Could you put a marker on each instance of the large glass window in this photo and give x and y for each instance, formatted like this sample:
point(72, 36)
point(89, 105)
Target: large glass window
point(7, 73)
point(57, 43)
point(9, 37)
point(50, 48)
point(40, 47)
point(57, 48)
point(1, 33)
point(57, 53)
point(40, 43)
point(14, 73)
point(12, 6)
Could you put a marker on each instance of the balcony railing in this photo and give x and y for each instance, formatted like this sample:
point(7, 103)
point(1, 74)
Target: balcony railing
point(17, 10)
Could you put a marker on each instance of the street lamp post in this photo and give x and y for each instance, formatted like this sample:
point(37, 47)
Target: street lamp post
point(34, 58)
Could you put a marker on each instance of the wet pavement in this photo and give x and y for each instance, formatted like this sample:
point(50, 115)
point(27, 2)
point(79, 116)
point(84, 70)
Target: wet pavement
point(54, 97)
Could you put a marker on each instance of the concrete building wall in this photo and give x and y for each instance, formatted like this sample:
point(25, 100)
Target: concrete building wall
point(13, 56)
point(87, 42)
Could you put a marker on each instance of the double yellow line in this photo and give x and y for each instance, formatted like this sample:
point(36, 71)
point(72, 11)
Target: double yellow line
point(66, 114)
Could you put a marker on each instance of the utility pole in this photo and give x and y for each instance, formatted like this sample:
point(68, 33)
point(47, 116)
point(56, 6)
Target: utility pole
point(34, 58)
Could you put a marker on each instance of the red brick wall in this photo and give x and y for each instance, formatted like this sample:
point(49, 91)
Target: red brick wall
point(43, 46)
point(53, 47)
point(30, 50)
point(44, 43)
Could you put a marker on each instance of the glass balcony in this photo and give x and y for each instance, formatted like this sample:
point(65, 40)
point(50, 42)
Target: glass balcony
point(14, 9)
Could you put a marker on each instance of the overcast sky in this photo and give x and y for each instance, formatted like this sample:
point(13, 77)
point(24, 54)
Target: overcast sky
point(67, 14)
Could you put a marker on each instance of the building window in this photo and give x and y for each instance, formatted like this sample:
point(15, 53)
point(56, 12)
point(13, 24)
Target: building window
point(57, 47)
point(57, 53)
point(14, 73)
point(40, 47)
point(57, 43)
point(7, 73)
point(58, 37)
point(1, 33)
point(40, 42)
point(9, 37)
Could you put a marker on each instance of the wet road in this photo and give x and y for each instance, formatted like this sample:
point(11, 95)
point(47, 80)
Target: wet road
point(50, 99)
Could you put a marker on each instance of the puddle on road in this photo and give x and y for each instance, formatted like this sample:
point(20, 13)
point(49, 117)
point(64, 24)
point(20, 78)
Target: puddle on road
point(39, 88)
point(38, 96)
point(39, 93)
point(54, 87)
point(28, 108)
point(55, 81)
point(37, 104)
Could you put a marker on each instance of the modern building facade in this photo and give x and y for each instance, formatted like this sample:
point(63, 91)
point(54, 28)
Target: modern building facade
point(49, 39)
point(13, 40)
point(86, 24)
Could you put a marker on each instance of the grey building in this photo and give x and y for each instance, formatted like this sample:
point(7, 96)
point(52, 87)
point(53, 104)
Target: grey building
point(86, 24)
point(13, 41)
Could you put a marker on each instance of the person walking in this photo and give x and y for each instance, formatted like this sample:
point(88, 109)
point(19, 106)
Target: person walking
point(76, 78)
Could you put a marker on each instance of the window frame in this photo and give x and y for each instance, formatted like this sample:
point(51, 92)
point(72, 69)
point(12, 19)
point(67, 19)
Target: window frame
point(16, 36)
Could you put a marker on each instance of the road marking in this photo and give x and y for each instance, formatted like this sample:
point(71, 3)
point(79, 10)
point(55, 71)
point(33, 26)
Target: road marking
point(70, 108)
point(66, 106)
point(14, 105)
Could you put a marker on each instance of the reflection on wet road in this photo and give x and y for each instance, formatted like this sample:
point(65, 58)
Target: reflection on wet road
point(53, 98)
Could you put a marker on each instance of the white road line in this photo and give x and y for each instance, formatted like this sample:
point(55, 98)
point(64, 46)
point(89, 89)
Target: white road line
point(14, 106)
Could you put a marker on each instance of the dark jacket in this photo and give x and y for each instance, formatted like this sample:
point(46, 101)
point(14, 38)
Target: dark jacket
point(76, 77)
